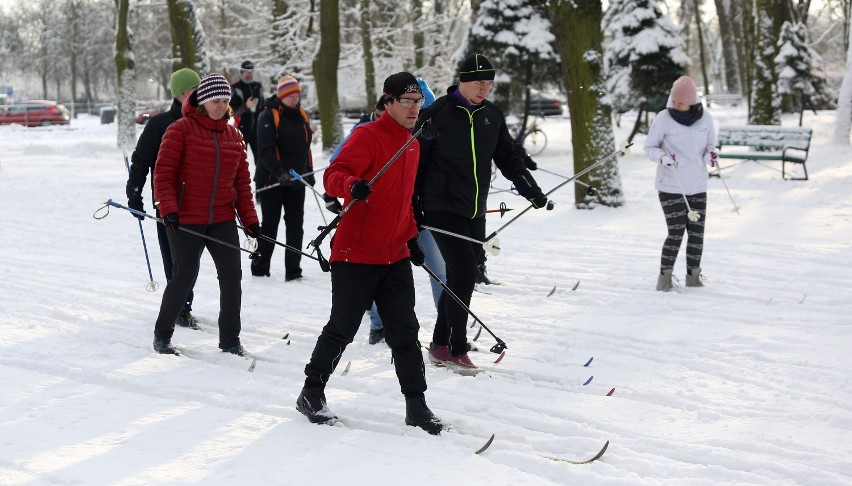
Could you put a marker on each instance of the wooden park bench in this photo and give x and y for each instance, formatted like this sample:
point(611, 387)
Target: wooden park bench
point(723, 99)
point(767, 142)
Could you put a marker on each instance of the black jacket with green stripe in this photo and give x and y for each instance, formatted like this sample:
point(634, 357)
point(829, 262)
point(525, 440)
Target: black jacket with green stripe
point(455, 161)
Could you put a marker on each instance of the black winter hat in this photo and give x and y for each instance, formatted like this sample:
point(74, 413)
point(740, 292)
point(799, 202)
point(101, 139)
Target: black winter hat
point(247, 66)
point(476, 68)
point(397, 85)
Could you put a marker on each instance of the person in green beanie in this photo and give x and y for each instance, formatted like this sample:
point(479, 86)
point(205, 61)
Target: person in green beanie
point(182, 84)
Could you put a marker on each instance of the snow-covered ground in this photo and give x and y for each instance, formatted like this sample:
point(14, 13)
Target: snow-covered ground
point(742, 381)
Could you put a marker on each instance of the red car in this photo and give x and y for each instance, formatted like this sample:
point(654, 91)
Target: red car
point(146, 114)
point(35, 113)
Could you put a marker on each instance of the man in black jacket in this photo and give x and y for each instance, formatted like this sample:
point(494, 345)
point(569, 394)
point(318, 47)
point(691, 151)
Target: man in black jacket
point(247, 103)
point(182, 83)
point(466, 134)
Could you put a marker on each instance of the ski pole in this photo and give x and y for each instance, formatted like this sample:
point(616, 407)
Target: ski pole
point(273, 186)
point(503, 210)
point(691, 214)
point(497, 348)
point(152, 285)
point(114, 204)
point(491, 246)
point(623, 149)
point(590, 191)
point(284, 245)
point(736, 208)
point(316, 194)
point(324, 265)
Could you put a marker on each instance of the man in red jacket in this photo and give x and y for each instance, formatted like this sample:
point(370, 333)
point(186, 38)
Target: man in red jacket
point(370, 254)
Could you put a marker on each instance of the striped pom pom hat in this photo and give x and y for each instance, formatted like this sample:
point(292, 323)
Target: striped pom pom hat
point(288, 85)
point(213, 87)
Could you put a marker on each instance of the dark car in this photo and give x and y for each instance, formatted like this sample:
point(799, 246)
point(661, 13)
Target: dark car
point(144, 115)
point(541, 105)
point(35, 113)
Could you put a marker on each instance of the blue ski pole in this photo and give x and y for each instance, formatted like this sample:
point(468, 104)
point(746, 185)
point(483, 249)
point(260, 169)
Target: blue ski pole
point(152, 285)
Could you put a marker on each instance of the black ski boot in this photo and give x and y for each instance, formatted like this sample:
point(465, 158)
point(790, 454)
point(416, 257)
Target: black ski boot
point(482, 276)
point(235, 349)
point(315, 409)
point(417, 414)
point(186, 319)
point(164, 346)
point(377, 335)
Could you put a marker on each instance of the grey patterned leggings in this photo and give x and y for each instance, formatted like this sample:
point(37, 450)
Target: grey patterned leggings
point(674, 209)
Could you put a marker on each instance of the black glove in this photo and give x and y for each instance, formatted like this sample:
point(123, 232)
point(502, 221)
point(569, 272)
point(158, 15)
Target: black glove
point(172, 221)
point(360, 189)
point(540, 201)
point(529, 162)
point(332, 204)
point(428, 132)
point(282, 176)
point(417, 257)
point(311, 180)
point(136, 204)
point(254, 231)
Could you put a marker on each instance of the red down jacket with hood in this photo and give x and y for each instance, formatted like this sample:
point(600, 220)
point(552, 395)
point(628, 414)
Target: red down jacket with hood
point(375, 231)
point(202, 171)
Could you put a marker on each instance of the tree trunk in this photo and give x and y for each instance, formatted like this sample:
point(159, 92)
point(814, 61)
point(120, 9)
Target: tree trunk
point(725, 15)
point(843, 119)
point(325, 73)
point(576, 26)
point(367, 47)
point(187, 37)
point(126, 73)
point(765, 101)
point(701, 48)
point(417, 27)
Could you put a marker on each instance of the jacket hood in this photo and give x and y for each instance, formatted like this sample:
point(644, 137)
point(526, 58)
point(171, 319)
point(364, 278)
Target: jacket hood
point(204, 120)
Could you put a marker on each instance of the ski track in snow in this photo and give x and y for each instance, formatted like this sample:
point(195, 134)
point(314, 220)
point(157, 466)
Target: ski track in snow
point(743, 381)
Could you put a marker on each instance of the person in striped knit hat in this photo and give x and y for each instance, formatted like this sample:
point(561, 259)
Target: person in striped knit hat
point(284, 138)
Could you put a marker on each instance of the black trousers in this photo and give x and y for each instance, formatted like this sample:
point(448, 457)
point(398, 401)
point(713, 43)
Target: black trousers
point(460, 258)
point(166, 252)
point(292, 200)
point(186, 255)
point(354, 286)
point(675, 211)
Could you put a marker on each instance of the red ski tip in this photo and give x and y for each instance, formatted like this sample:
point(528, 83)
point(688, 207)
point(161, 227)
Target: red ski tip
point(500, 358)
point(610, 392)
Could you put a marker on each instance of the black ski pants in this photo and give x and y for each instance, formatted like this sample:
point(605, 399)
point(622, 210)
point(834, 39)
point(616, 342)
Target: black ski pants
point(186, 251)
point(675, 211)
point(166, 252)
point(460, 258)
point(292, 200)
point(354, 286)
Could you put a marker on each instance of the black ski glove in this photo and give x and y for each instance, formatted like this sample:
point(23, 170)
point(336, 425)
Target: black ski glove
point(428, 132)
point(311, 180)
point(360, 189)
point(282, 176)
point(529, 162)
point(332, 204)
point(136, 204)
point(254, 231)
point(172, 221)
point(540, 201)
point(417, 257)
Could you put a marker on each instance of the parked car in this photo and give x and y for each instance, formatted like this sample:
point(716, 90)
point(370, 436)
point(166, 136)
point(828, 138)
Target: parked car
point(35, 113)
point(541, 105)
point(144, 115)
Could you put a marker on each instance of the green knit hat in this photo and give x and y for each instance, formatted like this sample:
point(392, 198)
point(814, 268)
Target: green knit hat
point(182, 81)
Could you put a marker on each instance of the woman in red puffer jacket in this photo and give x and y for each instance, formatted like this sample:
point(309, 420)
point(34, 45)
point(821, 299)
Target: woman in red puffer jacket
point(201, 177)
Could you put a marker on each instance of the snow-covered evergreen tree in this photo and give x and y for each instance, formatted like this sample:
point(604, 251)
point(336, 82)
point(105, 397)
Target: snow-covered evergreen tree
point(797, 67)
point(645, 57)
point(765, 102)
point(516, 37)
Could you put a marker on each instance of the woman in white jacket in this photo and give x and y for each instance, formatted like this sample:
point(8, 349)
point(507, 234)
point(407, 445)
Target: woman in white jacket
point(682, 140)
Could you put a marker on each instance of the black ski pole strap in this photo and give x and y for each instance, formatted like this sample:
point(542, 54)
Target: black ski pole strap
point(497, 348)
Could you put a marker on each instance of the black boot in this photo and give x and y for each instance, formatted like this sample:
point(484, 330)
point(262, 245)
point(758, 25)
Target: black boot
point(417, 414)
point(235, 349)
point(314, 407)
point(482, 277)
point(377, 335)
point(164, 346)
point(186, 319)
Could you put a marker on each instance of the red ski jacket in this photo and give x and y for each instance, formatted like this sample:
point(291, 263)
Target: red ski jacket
point(202, 172)
point(375, 231)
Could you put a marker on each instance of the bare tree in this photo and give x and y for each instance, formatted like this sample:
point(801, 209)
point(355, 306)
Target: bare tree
point(187, 37)
point(125, 68)
point(765, 102)
point(325, 74)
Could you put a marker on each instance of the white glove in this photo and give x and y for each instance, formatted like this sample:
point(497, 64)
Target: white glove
point(710, 157)
point(669, 161)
